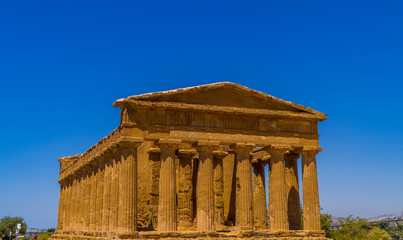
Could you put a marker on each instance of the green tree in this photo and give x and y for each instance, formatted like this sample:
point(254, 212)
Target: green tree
point(381, 225)
point(9, 224)
point(45, 236)
point(378, 234)
point(325, 221)
point(355, 228)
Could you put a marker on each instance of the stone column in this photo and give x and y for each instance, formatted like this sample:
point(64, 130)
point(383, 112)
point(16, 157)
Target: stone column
point(244, 188)
point(114, 200)
point(229, 169)
point(106, 208)
point(205, 186)
point(87, 198)
point(73, 213)
point(219, 188)
point(67, 204)
point(277, 188)
point(127, 217)
point(167, 219)
point(155, 158)
point(293, 203)
point(80, 198)
point(185, 203)
point(99, 194)
point(60, 216)
point(259, 195)
point(310, 188)
point(93, 198)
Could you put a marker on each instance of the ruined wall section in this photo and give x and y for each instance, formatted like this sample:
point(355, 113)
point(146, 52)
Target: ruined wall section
point(144, 187)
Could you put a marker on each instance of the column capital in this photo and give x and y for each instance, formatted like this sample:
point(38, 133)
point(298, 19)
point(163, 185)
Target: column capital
point(308, 150)
point(207, 145)
point(171, 144)
point(243, 147)
point(154, 150)
point(219, 154)
point(291, 155)
point(266, 158)
point(277, 149)
point(130, 142)
point(186, 153)
point(108, 153)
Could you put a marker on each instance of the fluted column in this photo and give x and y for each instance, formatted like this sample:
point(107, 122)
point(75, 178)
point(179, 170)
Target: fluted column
point(93, 198)
point(127, 217)
point(277, 188)
point(310, 189)
point(229, 169)
point(185, 203)
point(73, 213)
point(293, 199)
point(87, 208)
point(114, 198)
point(205, 187)
point(167, 219)
point(99, 194)
point(106, 211)
point(219, 219)
point(244, 188)
point(80, 198)
point(155, 158)
point(67, 204)
point(259, 195)
point(60, 216)
point(63, 206)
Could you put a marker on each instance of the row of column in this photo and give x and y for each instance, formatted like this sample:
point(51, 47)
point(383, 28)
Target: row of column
point(284, 199)
point(103, 194)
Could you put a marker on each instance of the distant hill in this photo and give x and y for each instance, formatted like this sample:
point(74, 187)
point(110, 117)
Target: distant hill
point(391, 216)
point(36, 230)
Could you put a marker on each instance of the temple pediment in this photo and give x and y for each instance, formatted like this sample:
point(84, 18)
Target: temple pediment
point(223, 94)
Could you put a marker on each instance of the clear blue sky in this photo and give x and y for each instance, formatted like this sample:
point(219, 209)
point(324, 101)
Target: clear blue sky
point(63, 64)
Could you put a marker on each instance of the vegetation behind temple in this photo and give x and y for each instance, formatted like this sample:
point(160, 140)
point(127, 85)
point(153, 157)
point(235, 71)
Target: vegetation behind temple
point(9, 224)
point(358, 228)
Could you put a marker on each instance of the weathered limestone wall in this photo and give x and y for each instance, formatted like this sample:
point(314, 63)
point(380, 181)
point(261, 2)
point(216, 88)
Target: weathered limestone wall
point(144, 212)
point(155, 156)
point(219, 188)
point(185, 192)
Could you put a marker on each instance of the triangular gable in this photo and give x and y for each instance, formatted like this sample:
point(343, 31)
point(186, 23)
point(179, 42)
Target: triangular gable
point(222, 94)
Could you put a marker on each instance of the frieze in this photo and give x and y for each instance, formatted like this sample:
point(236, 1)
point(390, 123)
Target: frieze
point(267, 125)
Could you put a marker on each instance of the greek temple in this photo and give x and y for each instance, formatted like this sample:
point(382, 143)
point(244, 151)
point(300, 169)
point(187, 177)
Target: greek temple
point(197, 163)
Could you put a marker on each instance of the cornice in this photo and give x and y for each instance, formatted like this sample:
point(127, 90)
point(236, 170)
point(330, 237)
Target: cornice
point(219, 109)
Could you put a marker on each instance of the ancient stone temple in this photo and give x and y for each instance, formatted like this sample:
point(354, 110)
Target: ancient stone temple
point(191, 163)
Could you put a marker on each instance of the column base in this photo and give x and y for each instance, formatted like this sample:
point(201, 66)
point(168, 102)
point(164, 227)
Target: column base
point(188, 235)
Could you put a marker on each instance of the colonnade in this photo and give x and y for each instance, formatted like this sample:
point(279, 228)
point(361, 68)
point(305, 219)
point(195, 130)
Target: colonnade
point(102, 196)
